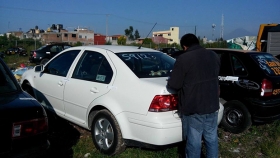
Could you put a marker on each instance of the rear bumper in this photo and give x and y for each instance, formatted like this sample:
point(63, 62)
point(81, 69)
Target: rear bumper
point(154, 128)
point(265, 111)
point(34, 60)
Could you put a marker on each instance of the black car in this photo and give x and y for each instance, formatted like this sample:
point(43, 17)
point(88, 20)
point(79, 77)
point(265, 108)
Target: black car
point(11, 51)
point(249, 88)
point(24, 122)
point(21, 51)
point(2, 55)
point(46, 52)
point(169, 50)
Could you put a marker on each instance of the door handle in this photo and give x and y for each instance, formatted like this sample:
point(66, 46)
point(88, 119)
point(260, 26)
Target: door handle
point(94, 90)
point(60, 83)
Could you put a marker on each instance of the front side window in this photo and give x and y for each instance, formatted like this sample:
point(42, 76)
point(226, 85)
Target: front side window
point(93, 66)
point(148, 64)
point(238, 67)
point(61, 64)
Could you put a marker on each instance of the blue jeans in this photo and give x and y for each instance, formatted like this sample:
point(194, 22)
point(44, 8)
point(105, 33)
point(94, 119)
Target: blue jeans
point(194, 127)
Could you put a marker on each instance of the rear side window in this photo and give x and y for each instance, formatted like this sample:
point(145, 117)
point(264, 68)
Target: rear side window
point(268, 63)
point(93, 66)
point(148, 64)
point(7, 84)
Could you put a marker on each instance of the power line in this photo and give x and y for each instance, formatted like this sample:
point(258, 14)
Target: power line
point(101, 14)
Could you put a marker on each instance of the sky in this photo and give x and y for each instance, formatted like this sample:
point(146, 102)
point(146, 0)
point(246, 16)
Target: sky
point(112, 17)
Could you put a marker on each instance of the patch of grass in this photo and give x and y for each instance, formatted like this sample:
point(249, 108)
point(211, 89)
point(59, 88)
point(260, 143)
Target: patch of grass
point(14, 61)
point(259, 141)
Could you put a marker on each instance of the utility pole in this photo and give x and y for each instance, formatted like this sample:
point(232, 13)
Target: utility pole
point(222, 27)
point(107, 26)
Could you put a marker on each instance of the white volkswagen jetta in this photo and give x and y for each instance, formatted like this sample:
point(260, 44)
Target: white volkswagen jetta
point(119, 93)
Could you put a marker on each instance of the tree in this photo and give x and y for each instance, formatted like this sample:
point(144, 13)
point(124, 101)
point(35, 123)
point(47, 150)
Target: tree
point(121, 40)
point(147, 41)
point(78, 43)
point(128, 32)
point(108, 43)
point(136, 34)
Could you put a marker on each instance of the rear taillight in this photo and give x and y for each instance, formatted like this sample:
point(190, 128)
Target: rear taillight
point(163, 103)
point(266, 88)
point(34, 54)
point(29, 128)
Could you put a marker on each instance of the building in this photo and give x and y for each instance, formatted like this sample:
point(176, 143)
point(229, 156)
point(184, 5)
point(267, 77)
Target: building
point(172, 35)
point(99, 39)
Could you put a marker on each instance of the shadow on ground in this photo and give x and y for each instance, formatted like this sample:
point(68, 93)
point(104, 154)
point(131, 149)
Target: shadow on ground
point(62, 136)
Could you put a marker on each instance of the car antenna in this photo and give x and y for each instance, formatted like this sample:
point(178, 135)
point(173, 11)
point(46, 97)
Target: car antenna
point(146, 37)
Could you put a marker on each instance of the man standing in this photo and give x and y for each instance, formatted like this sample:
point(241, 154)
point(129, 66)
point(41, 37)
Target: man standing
point(195, 77)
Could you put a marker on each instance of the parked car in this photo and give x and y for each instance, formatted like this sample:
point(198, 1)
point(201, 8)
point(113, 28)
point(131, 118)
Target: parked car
point(2, 55)
point(118, 92)
point(46, 52)
point(10, 51)
point(21, 51)
point(169, 50)
point(24, 123)
point(249, 87)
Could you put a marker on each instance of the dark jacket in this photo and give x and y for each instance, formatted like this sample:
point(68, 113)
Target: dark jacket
point(195, 77)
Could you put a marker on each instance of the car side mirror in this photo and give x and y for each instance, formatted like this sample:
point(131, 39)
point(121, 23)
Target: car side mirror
point(39, 68)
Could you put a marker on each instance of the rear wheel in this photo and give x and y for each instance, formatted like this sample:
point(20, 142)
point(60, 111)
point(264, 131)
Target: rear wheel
point(236, 118)
point(106, 133)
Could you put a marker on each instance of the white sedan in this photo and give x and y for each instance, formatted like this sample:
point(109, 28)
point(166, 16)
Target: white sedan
point(117, 92)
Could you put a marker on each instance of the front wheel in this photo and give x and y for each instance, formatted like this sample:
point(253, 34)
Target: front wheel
point(106, 133)
point(28, 88)
point(236, 118)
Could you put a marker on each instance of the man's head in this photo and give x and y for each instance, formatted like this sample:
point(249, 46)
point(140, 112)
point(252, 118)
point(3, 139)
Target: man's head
point(188, 40)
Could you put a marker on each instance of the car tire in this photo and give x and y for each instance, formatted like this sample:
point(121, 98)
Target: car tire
point(28, 88)
point(236, 118)
point(106, 133)
point(44, 61)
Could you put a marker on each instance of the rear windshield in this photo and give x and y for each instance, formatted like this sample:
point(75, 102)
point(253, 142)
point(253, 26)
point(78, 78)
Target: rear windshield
point(269, 63)
point(148, 64)
point(7, 84)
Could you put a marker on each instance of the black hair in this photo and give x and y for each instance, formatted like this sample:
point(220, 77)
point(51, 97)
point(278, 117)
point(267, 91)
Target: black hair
point(189, 40)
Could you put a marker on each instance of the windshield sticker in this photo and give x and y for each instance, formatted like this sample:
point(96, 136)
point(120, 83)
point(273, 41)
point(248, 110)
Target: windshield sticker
point(100, 78)
point(269, 66)
point(247, 84)
point(138, 56)
point(276, 91)
point(228, 78)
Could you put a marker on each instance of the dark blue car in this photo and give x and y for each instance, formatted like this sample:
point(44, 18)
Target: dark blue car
point(23, 120)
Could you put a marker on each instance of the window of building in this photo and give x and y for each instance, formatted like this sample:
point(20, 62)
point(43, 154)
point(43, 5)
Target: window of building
point(169, 34)
point(73, 35)
point(80, 36)
point(65, 35)
point(172, 29)
point(85, 37)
